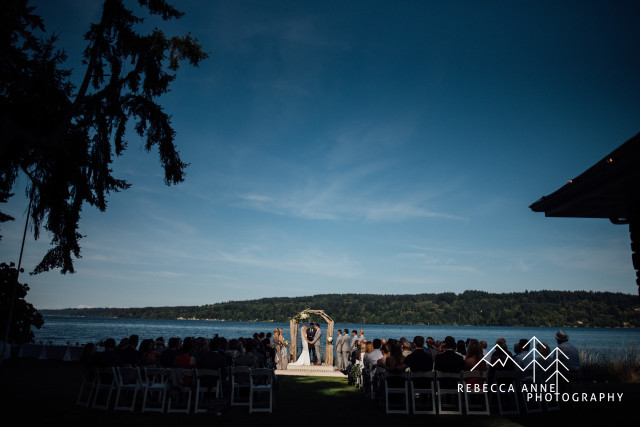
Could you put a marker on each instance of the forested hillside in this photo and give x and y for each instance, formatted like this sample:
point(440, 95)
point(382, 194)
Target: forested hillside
point(539, 308)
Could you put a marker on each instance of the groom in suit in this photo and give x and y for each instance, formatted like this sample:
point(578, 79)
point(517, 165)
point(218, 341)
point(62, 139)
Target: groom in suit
point(311, 331)
point(316, 345)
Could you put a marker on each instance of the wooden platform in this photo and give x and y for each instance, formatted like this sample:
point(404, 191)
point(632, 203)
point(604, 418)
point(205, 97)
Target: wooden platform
point(311, 371)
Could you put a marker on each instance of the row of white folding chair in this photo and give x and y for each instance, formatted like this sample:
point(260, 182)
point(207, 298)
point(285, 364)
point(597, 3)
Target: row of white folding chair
point(509, 399)
point(99, 384)
point(425, 388)
point(178, 386)
point(248, 383)
point(449, 398)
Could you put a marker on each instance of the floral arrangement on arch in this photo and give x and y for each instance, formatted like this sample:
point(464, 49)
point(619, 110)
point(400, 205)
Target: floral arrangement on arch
point(300, 317)
point(329, 340)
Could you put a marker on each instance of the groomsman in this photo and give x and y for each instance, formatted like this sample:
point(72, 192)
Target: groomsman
point(338, 349)
point(346, 349)
point(354, 338)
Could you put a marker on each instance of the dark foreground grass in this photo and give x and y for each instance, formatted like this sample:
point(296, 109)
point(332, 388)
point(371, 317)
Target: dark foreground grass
point(40, 391)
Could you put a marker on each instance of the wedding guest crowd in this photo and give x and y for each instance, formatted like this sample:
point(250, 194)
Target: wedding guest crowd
point(393, 355)
point(455, 356)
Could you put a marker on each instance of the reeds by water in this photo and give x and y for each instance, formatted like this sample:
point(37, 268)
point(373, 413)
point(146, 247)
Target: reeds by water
point(618, 365)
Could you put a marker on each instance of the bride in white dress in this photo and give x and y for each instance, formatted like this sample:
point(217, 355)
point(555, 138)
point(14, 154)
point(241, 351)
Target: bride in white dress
point(304, 359)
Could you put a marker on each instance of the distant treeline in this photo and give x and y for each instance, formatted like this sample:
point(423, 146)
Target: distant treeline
point(536, 308)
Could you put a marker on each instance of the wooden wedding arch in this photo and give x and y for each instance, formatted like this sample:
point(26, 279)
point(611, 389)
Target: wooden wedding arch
point(303, 316)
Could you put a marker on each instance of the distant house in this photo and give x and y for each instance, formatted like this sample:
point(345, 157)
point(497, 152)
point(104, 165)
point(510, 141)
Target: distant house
point(608, 189)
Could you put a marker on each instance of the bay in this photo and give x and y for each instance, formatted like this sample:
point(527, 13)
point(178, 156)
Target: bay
point(59, 330)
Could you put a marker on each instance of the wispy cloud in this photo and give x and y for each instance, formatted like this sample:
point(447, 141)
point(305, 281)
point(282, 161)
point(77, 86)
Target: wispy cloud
point(166, 274)
point(589, 259)
point(310, 262)
point(327, 205)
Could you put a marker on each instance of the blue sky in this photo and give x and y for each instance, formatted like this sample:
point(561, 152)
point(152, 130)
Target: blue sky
point(362, 146)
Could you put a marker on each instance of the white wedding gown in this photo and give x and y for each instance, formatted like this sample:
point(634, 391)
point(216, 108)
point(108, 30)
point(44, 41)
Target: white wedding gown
point(304, 359)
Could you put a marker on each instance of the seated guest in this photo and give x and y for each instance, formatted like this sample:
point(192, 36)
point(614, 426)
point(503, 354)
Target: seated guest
point(449, 360)
point(109, 357)
point(518, 350)
point(406, 347)
point(431, 346)
point(160, 345)
point(248, 358)
point(473, 356)
point(356, 352)
point(200, 347)
point(483, 344)
point(420, 359)
point(212, 359)
point(371, 358)
point(461, 348)
point(184, 359)
point(148, 355)
point(501, 359)
point(384, 348)
point(544, 361)
point(502, 353)
point(524, 359)
point(395, 363)
point(129, 353)
point(169, 354)
point(569, 356)
point(367, 347)
point(259, 352)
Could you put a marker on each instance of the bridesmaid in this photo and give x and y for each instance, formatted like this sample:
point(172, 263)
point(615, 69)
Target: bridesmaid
point(276, 346)
point(284, 357)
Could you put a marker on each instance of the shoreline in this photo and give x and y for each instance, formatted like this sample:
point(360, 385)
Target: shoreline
point(364, 324)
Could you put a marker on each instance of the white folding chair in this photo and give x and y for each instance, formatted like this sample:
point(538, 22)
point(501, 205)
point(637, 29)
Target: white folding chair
point(530, 406)
point(377, 384)
point(240, 385)
point(105, 384)
point(154, 389)
point(449, 400)
point(208, 386)
point(87, 387)
point(396, 385)
point(508, 403)
point(180, 390)
point(476, 402)
point(423, 392)
point(366, 375)
point(128, 383)
point(260, 384)
point(360, 379)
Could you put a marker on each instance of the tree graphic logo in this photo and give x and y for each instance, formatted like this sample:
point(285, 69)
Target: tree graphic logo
point(533, 361)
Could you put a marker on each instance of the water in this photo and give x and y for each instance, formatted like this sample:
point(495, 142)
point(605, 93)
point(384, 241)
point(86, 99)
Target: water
point(64, 330)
